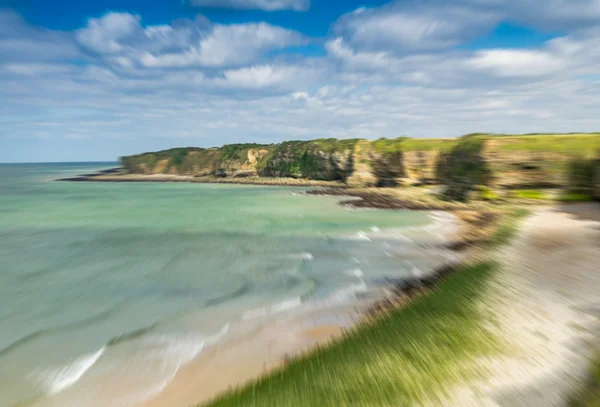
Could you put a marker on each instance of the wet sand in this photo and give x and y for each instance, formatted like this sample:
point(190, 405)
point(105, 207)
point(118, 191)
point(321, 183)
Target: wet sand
point(252, 352)
point(253, 348)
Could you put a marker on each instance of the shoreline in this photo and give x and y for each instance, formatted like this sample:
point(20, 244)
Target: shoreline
point(270, 345)
point(279, 339)
point(110, 176)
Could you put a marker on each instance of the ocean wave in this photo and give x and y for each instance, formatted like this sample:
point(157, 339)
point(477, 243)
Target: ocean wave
point(359, 236)
point(128, 336)
point(282, 306)
point(244, 289)
point(58, 379)
point(49, 331)
point(180, 350)
point(348, 292)
point(306, 256)
point(354, 273)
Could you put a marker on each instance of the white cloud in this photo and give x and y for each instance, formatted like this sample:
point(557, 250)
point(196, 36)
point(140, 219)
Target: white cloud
point(207, 84)
point(227, 45)
point(185, 43)
point(103, 34)
point(413, 26)
point(515, 63)
point(267, 5)
point(405, 27)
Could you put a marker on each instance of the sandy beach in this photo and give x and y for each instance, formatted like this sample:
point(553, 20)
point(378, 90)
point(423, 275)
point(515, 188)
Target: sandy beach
point(256, 347)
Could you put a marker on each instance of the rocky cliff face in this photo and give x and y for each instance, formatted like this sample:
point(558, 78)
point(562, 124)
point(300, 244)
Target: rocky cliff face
point(236, 160)
point(530, 161)
point(328, 160)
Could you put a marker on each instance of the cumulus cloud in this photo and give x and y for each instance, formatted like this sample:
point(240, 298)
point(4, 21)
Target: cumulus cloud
point(523, 63)
point(386, 71)
point(405, 27)
point(185, 43)
point(267, 5)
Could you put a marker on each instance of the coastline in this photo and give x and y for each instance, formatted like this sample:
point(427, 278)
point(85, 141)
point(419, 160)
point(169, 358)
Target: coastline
point(113, 176)
point(240, 359)
point(256, 349)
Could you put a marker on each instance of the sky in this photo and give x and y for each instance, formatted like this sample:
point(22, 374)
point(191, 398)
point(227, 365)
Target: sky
point(95, 80)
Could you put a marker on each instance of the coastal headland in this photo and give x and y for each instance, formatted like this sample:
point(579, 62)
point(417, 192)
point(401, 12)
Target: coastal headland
point(440, 339)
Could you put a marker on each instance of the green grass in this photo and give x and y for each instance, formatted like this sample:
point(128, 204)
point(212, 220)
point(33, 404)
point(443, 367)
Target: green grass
point(397, 360)
point(488, 194)
point(589, 394)
point(564, 144)
point(508, 229)
point(529, 194)
point(575, 197)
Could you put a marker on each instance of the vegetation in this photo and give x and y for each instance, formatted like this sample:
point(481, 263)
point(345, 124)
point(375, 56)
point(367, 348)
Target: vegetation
point(387, 161)
point(575, 197)
point(464, 165)
point(399, 359)
point(582, 175)
point(403, 358)
point(507, 230)
point(463, 168)
point(529, 194)
point(323, 159)
point(589, 394)
point(571, 145)
point(487, 194)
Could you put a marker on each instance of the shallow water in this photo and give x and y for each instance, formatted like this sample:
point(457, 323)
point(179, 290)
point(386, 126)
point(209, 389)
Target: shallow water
point(103, 284)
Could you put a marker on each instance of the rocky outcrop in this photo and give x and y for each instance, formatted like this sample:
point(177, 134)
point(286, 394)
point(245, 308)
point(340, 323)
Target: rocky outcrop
point(329, 159)
point(530, 161)
point(464, 168)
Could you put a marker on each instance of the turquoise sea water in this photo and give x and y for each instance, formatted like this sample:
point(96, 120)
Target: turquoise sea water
point(109, 283)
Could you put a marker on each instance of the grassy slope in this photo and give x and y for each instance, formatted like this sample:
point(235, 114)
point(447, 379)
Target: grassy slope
point(589, 395)
point(572, 145)
point(405, 358)
point(394, 361)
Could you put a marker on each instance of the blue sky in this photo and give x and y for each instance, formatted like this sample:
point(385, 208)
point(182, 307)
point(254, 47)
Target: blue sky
point(96, 80)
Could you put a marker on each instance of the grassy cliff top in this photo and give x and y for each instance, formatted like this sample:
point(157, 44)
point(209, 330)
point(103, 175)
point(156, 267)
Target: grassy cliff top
point(571, 143)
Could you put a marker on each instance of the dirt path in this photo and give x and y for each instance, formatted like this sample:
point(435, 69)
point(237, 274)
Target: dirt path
point(548, 309)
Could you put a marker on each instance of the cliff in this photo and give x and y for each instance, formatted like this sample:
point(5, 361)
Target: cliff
point(497, 161)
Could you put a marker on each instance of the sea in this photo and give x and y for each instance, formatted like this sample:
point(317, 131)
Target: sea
point(108, 289)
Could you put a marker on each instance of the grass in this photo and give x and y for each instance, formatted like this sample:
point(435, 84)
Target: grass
point(589, 394)
point(564, 144)
point(507, 230)
point(397, 360)
point(529, 194)
point(575, 197)
point(488, 194)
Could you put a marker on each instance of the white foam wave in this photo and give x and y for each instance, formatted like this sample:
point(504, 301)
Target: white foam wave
point(354, 272)
point(58, 379)
point(282, 306)
point(306, 256)
point(181, 351)
point(173, 352)
point(375, 229)
point(348, 293)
